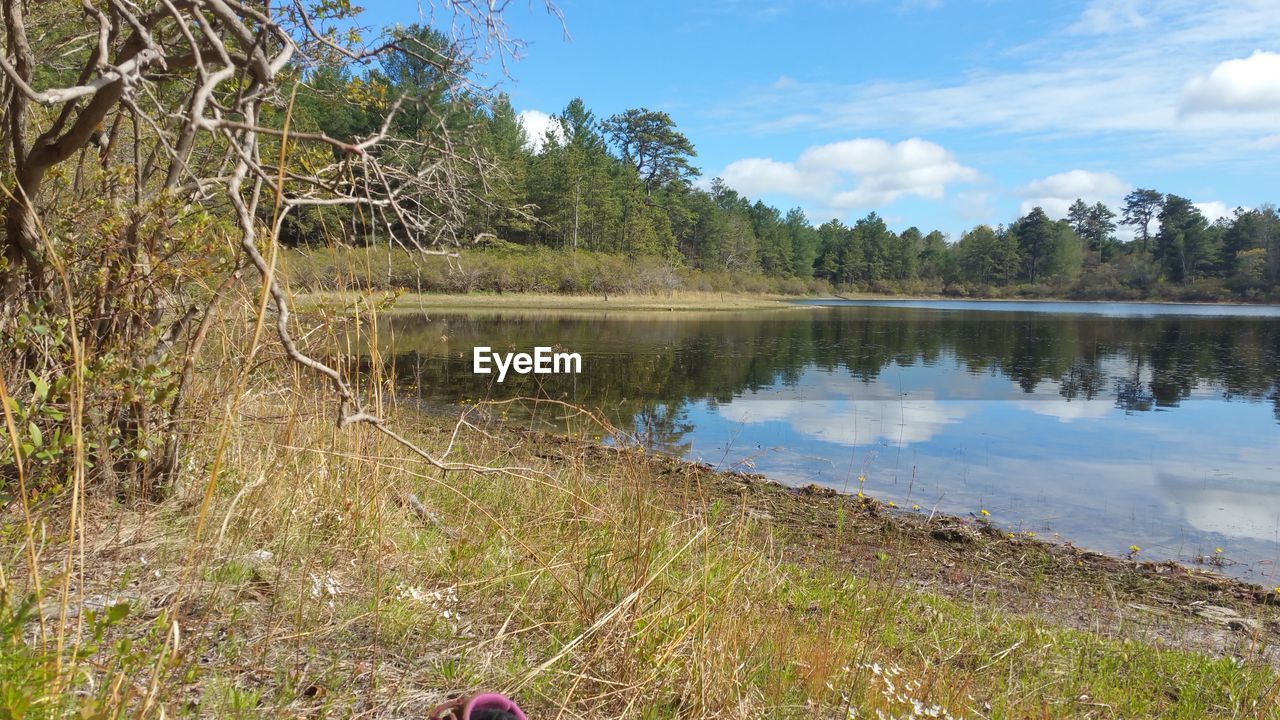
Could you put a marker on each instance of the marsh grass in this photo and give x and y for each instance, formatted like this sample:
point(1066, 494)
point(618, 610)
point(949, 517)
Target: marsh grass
point(507, 268)
point(683, 302)
point(298, 570)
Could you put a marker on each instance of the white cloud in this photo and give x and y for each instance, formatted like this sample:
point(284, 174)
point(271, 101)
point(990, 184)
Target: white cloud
point(1270, 142)
point(1056, 192)
point(760, 176)
point(1080, 81)
point(859, 173)
point(1243, 85)
point(1231, 504)
point(1214, 209)
point(853, 423)
point(1068, 410)
point(536, 124)
point(1104, 17)
point(974, 205)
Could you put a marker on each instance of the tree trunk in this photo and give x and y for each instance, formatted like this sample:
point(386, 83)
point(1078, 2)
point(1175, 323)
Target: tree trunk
point(24, 267)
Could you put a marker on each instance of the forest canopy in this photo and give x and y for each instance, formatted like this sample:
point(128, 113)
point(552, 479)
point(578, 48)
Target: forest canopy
point(628, 184)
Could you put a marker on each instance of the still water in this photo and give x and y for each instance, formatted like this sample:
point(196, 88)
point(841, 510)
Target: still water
point(1107, 425)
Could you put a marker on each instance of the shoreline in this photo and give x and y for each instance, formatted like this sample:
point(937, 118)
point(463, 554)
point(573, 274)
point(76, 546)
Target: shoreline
point(813, 510)
point(955, 556)
point(654, 562)
point(675, 302)
point(680, 301)
point(949, 298)
point(1168, 603)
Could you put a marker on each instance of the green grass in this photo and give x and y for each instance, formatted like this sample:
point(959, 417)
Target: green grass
point(517, 269)
point(684, 302)
point(507, 269)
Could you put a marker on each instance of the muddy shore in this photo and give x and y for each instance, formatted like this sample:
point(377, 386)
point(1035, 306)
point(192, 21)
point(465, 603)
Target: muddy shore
point(969, 558)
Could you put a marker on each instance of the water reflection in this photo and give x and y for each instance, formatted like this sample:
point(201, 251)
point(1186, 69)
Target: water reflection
point(1110, 429)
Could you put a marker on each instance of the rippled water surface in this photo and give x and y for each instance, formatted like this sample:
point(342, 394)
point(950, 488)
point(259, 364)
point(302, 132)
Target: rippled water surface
point(1104, 424)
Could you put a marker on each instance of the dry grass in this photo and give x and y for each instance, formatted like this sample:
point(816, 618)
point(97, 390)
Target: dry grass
point(303, 571)
point(677, 301)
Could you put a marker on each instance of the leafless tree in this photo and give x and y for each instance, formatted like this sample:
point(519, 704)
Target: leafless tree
point(191, 94)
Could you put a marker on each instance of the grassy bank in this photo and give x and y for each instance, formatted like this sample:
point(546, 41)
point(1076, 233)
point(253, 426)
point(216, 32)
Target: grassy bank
point(303, 571)
point(539, 271)
point(680, 301)
point(516, 269)
point(567, 305)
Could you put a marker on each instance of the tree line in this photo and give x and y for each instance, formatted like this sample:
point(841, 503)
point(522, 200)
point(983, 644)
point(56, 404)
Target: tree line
point(625, 184)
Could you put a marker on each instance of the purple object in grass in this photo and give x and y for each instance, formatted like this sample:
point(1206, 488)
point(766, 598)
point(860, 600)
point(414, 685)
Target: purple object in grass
point(491, 702)
point(481, 706)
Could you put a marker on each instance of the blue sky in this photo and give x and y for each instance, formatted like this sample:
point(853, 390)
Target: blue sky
point(936, 113)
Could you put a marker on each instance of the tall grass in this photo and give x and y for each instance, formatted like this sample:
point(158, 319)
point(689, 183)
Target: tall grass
point(509, 268)
point(512, 268)
point(301, 570)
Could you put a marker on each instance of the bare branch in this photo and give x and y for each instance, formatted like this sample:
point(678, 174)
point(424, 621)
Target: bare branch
point(227, 61)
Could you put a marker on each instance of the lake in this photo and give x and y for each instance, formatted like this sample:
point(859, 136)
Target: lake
point(1107, 425)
